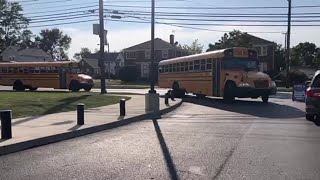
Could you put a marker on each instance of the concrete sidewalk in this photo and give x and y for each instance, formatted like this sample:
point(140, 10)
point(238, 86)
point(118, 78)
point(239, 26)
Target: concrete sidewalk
point(35, 131)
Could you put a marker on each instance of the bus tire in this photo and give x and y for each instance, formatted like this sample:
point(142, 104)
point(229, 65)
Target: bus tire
point(87, 89)
point(265, 98)
point(33, 88)
point(18, 86)
point(228, 95)
point(74, 86)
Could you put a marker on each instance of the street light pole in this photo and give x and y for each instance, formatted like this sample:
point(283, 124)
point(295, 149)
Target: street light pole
point(109, 59)
point(102, 43)
point(152, 66)
point(288, 43)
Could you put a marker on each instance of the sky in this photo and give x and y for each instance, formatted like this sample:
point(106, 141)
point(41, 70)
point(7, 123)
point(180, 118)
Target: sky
point(125, 34)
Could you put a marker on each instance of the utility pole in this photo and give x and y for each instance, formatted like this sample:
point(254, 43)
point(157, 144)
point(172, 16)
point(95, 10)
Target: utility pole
point(109, 69)
point(102, 43)
point(288, 43)
point(152, 66)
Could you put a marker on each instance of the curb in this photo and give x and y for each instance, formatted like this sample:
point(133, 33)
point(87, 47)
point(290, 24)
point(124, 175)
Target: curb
point(4, 150)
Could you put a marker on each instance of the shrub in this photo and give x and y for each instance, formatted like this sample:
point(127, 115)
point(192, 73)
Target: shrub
point(128, 73)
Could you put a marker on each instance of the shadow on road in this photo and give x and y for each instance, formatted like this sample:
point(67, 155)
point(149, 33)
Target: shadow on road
point(254, 108)
point(165, 151)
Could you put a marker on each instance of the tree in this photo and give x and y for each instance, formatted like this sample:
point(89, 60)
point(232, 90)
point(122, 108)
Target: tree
point(304, 54)
point(12, 22)
point(84, 52)
point(235, 38)
point(26, 39)
point(54, 42)
point(194, 48)
point(279, 58)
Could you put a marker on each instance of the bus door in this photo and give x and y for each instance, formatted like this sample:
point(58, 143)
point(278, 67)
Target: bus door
point(63, 79)
point(216, 75)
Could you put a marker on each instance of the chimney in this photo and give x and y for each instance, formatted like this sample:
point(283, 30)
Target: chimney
point(172, 39)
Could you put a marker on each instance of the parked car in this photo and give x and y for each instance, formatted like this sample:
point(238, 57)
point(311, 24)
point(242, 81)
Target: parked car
point(273, 88)
point(313, 98)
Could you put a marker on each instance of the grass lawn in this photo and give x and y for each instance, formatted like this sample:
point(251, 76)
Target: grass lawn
point(25, 104)
point(117, 84)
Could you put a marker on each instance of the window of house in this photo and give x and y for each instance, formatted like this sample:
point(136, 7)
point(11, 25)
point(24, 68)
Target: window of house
point(261, 50)
point(174, 68)
point(209, 64)
point(147, 54)
point(191, 66)
point(165, 53)
point(131, 55)
point(178, 67)
point(182, 67)
point(203, 65)
point(197, 65)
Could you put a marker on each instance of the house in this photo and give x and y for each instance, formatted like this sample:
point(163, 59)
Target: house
point(266, 51)
point(140, 54)
point(90, 64)
point(14, 53)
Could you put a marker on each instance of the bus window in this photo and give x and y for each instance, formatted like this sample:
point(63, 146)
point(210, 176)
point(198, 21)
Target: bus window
point(178, 67)
point(209, 64)
point(43, 69)
point(191, 66)
point(15, 70)
point(186, 66)
point(182, 67)
point(170, 67)
point(10, 70)
point(4, 70)
point(203, 65)
point(166, 68)
point(20, 70)
point(26, 70)
point(196, 65)
point(174, 68)
point(36, 70)
point(31, 70)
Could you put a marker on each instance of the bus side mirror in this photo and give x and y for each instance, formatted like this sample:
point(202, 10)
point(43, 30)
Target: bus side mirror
point(281, 69)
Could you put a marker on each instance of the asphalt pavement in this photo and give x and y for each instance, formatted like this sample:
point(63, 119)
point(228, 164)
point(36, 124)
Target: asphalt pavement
point(203, 139)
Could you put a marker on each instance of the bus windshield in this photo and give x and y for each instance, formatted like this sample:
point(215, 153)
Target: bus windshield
point(243, 64)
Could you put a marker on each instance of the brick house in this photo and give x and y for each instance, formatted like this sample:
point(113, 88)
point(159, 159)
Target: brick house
point(140, 54)
point(90, 64)
point(266, 51)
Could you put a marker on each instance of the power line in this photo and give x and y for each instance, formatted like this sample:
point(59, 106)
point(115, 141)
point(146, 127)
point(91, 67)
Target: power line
point(63, 10)
point(47, 2)
point(208, 8)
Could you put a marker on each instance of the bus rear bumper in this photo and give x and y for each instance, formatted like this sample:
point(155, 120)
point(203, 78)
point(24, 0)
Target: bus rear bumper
point(247, 92)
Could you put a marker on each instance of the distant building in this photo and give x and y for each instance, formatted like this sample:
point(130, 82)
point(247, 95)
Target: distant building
point(140, 54)
point(265, 50)
point(15, 54)
point(90, 64)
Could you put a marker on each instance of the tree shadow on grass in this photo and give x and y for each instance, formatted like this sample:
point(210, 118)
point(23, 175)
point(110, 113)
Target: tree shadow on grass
point(64, 104)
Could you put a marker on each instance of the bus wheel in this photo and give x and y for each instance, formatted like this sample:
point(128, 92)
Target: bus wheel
point(74, 86)
point(33, 88)
point(265, 98)
point(87, 89)
point(228, 96)
point(18, 86)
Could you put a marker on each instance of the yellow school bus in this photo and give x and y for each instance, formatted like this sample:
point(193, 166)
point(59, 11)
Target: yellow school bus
point(226, 73)
point(32, 75)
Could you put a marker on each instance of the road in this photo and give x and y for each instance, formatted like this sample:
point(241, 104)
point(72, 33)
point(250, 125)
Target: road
point(203, 139)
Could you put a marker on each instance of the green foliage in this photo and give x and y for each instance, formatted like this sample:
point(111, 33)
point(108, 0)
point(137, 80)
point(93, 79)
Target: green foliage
point(54, 42)
point(128, 73)
point(194, 48)
point(84, 52)
point(235, 38)
point(305, 54)
point(279, 58)
point(12, 22)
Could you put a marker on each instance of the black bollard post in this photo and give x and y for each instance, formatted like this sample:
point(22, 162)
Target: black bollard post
point(166, 99)
point(6, 128)
point(80, 114)
point(122, 107)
